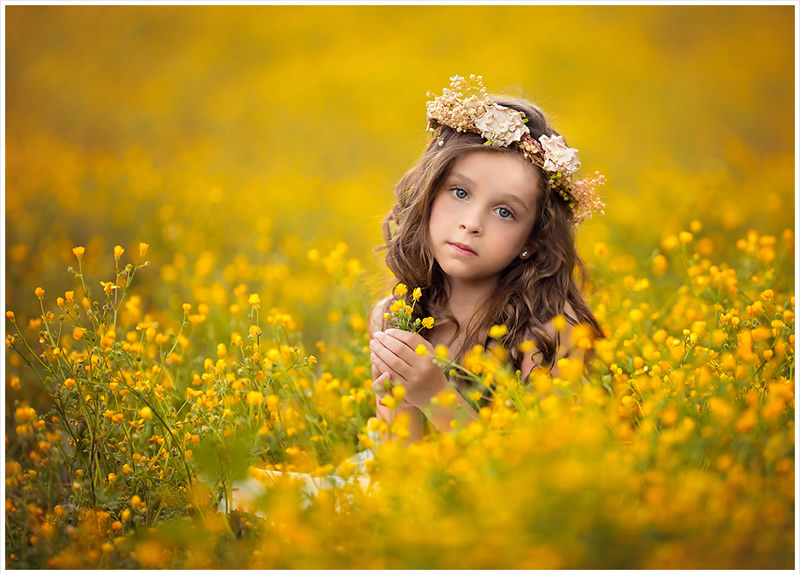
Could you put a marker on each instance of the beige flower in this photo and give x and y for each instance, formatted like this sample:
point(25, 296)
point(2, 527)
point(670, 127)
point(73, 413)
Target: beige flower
point(501, 126)
point(558, 157)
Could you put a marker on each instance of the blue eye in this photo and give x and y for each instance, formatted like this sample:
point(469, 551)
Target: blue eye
point(505, 213)
point(459, 193)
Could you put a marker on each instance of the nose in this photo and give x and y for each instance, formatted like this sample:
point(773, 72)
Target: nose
point(471, 222)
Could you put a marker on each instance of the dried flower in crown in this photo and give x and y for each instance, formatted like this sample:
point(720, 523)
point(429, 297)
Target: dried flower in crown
point(466, 107)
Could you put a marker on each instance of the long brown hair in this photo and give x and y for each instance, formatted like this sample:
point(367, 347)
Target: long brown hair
point(530, 291)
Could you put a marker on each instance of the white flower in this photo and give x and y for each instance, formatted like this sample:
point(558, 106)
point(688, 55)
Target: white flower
point(501, 126)
point(558, 158)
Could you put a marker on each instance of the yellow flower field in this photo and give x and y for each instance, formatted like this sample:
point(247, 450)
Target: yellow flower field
point(193, 195)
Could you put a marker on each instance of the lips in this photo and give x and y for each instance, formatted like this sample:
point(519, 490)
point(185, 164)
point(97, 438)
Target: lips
point(462, 249)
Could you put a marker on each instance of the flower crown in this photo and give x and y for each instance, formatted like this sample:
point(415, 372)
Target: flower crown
point(463, 110)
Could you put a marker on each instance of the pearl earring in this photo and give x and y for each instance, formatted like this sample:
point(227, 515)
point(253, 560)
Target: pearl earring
point(524, 254)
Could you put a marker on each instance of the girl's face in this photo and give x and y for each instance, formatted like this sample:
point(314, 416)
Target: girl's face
point(482, 215)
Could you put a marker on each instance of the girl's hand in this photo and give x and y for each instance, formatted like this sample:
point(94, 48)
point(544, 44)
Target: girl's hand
point(384, 413)
point(394, 352)
point(379, 380)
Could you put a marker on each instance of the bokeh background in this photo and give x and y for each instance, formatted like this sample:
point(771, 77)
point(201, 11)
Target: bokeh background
point(256, 150)
point(235, 139)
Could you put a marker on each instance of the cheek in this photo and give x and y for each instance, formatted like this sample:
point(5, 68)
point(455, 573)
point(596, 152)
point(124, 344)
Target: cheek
point(515, 239)
point(437, 216)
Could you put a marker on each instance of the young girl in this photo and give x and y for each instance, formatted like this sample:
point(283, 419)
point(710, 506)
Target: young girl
point(484, 225)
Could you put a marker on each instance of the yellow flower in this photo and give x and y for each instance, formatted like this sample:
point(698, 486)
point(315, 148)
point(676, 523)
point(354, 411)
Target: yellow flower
point(39, 292)
point(254, 300)
point(417, 294)
point(659, 265)
point(685, 237)
point(560, 323)
point(766, 295)
point(398, 392)
point(272, 401)
point(10, 315)
point(427, 322)
point(446, 398)
point(77, 333)
point(400, 290)
point(146, 413)
point(526, 346)
point(441, 351)
point(600, 249)
point(118, 251)
point(421, 350)
point(669, 243)
point(346, 469)
point(187, 307)
point(78, 251)
point(254, 398)
point(143, 247)
point(497, 331)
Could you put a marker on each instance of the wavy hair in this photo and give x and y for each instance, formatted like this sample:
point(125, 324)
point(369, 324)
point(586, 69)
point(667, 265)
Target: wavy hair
point(530, 291)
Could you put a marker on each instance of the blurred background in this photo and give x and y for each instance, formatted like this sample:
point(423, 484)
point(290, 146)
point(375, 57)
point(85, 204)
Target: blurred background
point(237, 140)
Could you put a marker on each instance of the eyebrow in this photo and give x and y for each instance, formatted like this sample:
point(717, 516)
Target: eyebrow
point(507, 197)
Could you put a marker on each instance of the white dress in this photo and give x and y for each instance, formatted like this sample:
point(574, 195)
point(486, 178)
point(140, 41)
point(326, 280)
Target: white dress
point(246, 492)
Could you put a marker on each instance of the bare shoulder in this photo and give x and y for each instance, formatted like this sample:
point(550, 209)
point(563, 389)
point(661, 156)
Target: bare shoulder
point(376, 315)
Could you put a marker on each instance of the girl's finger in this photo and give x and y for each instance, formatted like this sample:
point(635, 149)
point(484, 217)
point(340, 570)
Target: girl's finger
point(395, 354)
point(380, 366)
point(411, 340)
point(379, 385)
